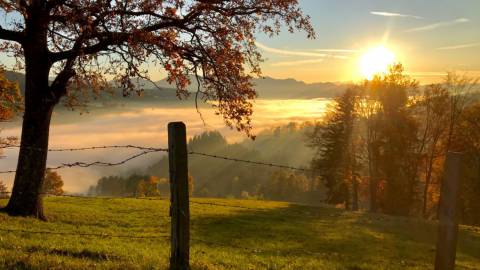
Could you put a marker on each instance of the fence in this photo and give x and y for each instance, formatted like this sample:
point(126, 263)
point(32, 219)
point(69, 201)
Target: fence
point(180, 203)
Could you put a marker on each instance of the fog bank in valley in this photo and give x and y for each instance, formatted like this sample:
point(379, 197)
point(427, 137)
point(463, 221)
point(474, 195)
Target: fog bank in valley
point(142, 123)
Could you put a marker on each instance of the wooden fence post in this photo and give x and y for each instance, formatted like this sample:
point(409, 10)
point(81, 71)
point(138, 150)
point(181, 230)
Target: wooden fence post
point(447, 213)
point(179, 201)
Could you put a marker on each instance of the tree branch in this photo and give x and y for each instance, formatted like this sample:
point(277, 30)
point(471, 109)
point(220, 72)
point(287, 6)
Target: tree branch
point(10, 35)
point(116, 38)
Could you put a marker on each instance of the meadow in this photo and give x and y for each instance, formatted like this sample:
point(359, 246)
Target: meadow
point(106, 233)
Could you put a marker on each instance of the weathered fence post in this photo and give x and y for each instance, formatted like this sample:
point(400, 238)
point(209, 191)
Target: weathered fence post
point(447, 214)
point(179, 208)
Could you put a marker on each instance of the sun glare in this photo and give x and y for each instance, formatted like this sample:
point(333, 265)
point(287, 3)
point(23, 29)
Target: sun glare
point(376, 61)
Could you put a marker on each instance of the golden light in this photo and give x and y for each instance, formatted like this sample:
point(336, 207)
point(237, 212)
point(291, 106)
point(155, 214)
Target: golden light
point(376, 61)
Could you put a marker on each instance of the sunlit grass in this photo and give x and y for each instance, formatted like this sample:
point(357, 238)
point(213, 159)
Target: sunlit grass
point(261, 235)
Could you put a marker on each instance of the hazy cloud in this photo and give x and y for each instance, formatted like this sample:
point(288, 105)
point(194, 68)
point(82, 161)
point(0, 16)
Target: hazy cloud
point(289, 52)
point(337, 50)
point(438, 25)
point(315, 53)
point(296, 63)
point(461, 46)
point(391, 14)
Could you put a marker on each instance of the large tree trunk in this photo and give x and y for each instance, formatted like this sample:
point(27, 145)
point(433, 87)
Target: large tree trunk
point(26, 197)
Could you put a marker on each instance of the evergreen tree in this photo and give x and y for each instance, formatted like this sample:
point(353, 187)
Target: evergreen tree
point(334, 160)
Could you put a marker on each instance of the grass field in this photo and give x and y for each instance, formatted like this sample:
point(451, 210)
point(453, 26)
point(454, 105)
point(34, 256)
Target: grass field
point(261, 235)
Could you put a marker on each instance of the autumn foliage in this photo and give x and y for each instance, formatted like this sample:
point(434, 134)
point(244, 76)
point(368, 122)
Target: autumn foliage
point(53, 184)
point(70, 48)
point(88, 41)
point(10, 98)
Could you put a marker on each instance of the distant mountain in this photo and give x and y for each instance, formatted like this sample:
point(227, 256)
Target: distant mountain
point(270, 88)
point(267, 88)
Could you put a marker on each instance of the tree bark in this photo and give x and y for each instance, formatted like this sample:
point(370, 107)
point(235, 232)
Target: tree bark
point(26, 199)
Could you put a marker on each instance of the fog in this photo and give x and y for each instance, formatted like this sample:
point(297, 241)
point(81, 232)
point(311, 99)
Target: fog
point(141, 123)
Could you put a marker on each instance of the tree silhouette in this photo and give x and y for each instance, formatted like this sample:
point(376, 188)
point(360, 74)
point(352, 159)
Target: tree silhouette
point(79, 43)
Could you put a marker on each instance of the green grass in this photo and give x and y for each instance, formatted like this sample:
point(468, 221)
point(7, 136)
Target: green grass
point(272, 235)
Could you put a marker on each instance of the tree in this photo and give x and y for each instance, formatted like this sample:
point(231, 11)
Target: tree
point(53, 183)
point(368, 107)
point(148, 187)
point(285, 185)
point(460, 89)
point(10, 104)
point(396, 139)
point(434, 119)
point(10, 98)
point(469, 139)
point(79, 43)
point(3, 191)
point(335, 156)
point(440, 114)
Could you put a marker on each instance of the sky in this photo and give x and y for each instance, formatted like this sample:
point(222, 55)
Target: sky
point(429, 37)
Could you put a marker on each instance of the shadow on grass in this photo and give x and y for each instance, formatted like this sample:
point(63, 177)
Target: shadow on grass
point(335, 234)
point(82, 254)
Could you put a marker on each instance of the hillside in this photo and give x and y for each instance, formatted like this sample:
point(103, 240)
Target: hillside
point(226, 234)
point(281, 145)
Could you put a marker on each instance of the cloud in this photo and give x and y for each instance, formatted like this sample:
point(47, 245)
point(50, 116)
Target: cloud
point(303, 53)
point(337, 50)
point(296, 63)
point(437, 25)
point(391, 14)
point(461, 46)
point(288, 52)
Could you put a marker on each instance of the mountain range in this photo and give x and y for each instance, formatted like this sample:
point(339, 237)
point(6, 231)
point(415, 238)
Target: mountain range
point(267, 88)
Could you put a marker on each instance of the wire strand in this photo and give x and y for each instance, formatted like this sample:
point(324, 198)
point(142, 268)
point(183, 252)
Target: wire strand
point(250, 161)
point(98, 163)
point(3, 146)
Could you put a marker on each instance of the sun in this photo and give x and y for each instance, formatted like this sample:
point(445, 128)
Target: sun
point(376, 60)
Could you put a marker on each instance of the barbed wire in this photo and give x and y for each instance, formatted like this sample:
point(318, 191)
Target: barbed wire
point(3, 146)
point(251, 162)
point(147, 150)
point(98, 163)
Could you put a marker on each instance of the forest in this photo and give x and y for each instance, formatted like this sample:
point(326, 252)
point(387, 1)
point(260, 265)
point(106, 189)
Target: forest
point(380, 147)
